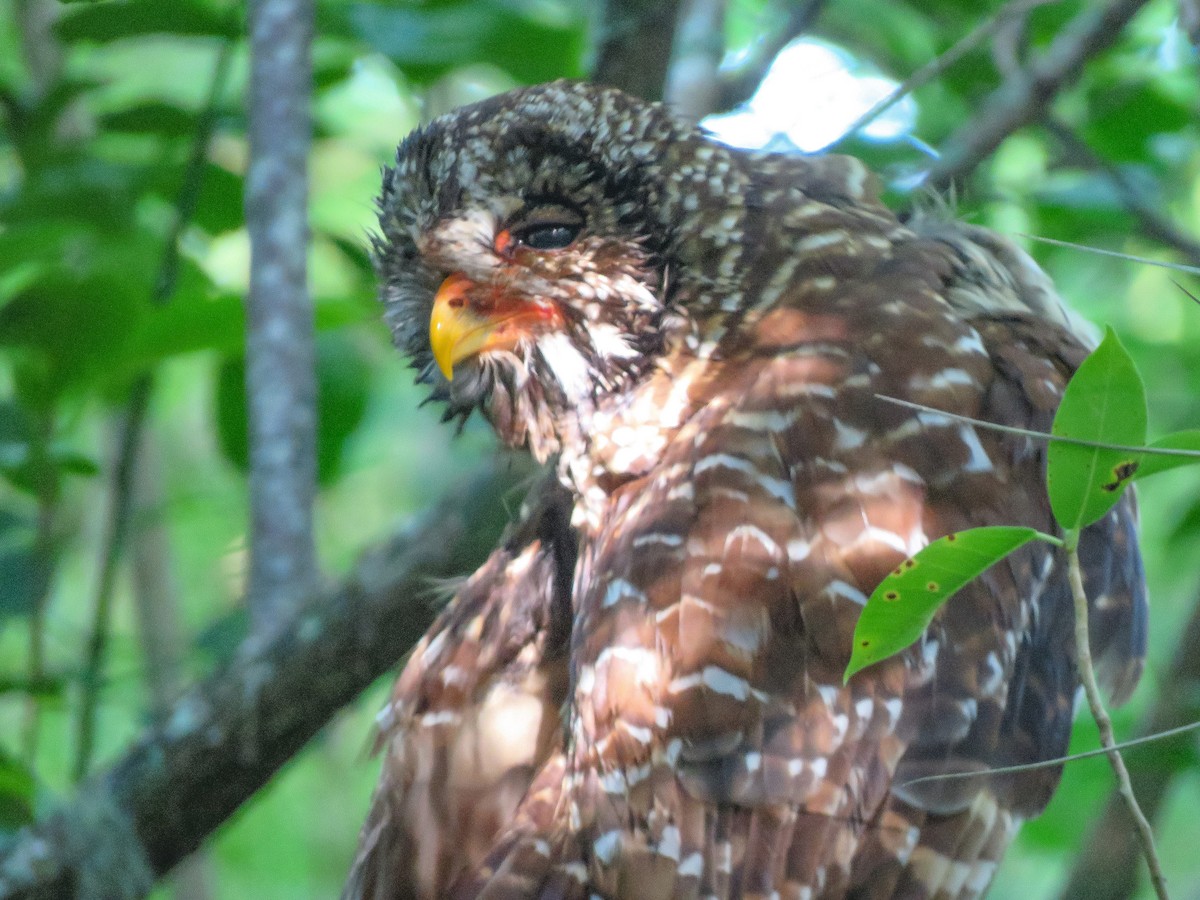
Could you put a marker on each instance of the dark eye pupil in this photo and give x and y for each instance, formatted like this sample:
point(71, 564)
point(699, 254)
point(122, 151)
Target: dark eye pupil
point(549, 237)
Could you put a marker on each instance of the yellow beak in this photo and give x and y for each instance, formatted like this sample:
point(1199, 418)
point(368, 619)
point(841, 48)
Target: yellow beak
point(455, 331)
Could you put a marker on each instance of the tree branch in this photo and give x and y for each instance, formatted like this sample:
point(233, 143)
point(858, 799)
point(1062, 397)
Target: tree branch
point(635, 44)
point(693, 84)
point(280, 370)
point(739, 86)
point(1005, 17)
point(224, 740)
point(1026, 95)
point(1087, 677)
point(1107, 867)
point(1154, 224)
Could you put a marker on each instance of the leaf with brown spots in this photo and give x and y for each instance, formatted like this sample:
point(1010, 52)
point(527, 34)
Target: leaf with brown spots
point(905, 602)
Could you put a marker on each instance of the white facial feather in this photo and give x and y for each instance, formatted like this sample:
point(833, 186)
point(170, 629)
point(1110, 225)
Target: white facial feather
point(568, 366)
point(610, 342)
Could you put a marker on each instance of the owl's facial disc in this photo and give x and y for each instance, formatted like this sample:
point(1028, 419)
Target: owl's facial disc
point(469, 319)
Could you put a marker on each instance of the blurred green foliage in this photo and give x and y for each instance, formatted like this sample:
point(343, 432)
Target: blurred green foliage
point(100, 105)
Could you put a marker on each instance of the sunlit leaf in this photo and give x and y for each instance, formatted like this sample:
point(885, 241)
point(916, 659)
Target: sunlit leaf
point(905, 602)
point(1105, 401)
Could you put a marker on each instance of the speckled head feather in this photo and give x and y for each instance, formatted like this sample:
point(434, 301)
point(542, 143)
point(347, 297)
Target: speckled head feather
point(466, 177)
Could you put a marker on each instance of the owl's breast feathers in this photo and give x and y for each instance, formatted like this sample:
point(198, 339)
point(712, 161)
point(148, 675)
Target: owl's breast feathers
point(652, 706)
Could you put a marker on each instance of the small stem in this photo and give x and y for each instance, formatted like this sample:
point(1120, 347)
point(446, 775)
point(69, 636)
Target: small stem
point(125, 463)
point(1087, 675)
point(1049, 539)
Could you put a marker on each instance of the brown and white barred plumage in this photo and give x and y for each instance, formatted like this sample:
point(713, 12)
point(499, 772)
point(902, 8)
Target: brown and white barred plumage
point(650, 705)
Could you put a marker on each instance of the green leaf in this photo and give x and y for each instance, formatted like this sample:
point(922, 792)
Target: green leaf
point(219, 207)
point(105, 22)
point(905, 602)
point(1153, 463)
point(158, 119)
point(1123, 117)
point(343, 376)
point(190, 322)
point(1106, 402)
point(47, 686)
point(428, 40)
point(17, 789)
point(232, 428)
point(26, 461)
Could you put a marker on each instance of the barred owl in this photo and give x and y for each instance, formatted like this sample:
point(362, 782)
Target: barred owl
point(640, 694)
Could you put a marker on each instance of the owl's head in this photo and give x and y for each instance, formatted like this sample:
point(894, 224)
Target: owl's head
point(525, 248)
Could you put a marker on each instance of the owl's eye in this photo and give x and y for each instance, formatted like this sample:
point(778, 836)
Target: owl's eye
point(548, 237)
point(547, 227)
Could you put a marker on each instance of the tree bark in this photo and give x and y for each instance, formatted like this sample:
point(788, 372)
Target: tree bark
point(281, 386)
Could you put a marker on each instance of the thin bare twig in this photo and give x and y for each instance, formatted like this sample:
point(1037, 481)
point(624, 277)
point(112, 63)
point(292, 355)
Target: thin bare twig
point(44, 554)
point(116, 530)
point(1100, 251)
point(1040, 435)
point(1025, 97)
point(41, 51)
point(1188, 293)
point(1057, 760)
point(1087, 676)
point(43, 61)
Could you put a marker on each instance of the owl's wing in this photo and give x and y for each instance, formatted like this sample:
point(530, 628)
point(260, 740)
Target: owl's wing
point(713, 750)
point(1007, 699)
point(474, 715)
